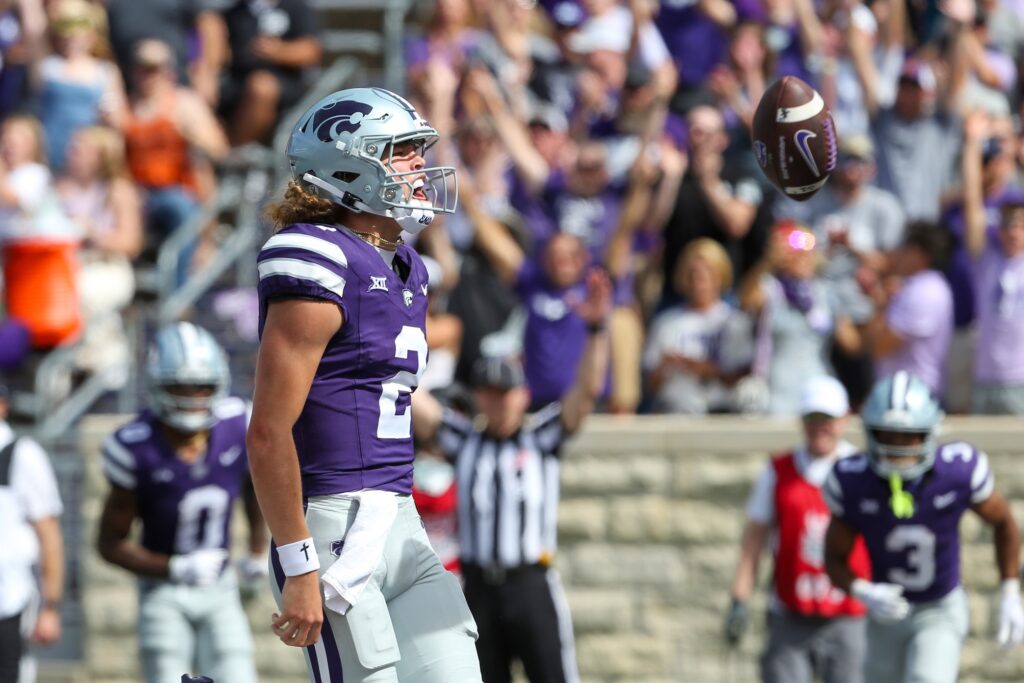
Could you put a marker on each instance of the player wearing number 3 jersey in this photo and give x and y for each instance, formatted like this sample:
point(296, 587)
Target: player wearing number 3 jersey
point(178, 467)
point(343, 307)
point(906, 495)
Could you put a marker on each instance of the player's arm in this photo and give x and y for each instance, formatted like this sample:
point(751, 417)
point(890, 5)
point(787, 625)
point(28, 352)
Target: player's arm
point(590, 372)
point(119, 512)
point(295, 335)
point(755, 538)
point(254, 518)
point(998, 514)
point(51, 569)
point(839, 540)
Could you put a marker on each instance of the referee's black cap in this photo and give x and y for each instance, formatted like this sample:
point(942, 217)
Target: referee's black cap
point(498, 373)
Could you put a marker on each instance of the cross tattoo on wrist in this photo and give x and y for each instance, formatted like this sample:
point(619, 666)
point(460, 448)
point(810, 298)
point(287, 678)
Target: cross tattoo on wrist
point(305, 551)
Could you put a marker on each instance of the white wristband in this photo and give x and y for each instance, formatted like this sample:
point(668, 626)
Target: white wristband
point(298, 558)
point(1009, 587)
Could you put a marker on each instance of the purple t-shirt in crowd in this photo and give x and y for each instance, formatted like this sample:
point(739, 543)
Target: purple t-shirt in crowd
point(697, 43)
point(555, 335)
point(959, 270)
point(921, 313)
point(183, 506)
point(999, 302)
point(922, 552)
point(355, 430)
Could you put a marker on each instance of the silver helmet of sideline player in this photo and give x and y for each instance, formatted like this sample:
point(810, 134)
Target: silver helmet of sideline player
point(344, 146)
point(186, 374)
point(901, 404)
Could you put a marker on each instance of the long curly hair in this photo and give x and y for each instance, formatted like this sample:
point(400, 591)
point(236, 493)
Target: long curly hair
point(300, 205)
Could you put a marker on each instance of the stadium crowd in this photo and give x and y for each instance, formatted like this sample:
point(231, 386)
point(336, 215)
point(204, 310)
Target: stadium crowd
point(587, 134)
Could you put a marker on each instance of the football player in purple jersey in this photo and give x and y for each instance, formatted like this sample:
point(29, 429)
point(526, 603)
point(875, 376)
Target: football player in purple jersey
point(906, 495)
point(343, 306)
point(178, 467)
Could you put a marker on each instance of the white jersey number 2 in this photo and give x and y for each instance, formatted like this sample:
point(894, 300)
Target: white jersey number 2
point(391, 424)
point(919, 542)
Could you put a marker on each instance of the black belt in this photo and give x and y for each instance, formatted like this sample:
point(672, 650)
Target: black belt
point(496, 575)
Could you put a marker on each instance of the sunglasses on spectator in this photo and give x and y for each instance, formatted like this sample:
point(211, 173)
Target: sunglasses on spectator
point(71, 25)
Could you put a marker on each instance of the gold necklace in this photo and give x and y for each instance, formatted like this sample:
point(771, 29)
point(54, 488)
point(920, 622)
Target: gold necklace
point(378, 241)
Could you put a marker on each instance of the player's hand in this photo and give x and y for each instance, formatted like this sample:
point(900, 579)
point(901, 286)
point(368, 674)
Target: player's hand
point(47, 628)
point(594, 310)
point(253, 568)
point(302, 611)
point(736, 622)
point(1011, 614)
point(885, 601)
point(252, 575)
point(198, 568)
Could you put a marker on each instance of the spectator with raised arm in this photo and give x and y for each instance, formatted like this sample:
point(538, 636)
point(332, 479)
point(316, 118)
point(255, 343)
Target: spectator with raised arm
point(997, 275)
point(994, 178)
point(718, 198)
point(913, 320)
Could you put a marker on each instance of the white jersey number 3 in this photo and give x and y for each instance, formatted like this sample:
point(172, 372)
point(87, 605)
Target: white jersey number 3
point(391, 424)
point(919, 542)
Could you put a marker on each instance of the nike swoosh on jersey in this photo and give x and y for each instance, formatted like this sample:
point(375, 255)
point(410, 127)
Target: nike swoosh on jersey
point(944, 500)
point(230, 455)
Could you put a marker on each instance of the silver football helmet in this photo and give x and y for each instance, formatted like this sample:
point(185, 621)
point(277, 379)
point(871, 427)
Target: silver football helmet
point(184, 356)
point(344, 144)
point(901, 403)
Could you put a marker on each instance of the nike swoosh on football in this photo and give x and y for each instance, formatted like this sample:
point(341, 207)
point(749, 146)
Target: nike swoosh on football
point(800, 138)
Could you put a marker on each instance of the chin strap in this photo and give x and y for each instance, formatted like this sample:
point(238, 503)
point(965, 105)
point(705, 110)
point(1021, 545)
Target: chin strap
point(902, 502)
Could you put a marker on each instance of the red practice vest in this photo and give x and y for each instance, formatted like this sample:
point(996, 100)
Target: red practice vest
point(802, 518)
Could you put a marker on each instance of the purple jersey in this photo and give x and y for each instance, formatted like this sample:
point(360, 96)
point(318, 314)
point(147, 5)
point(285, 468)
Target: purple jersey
point(355, 431)
point(922, 552)
point(183, 506)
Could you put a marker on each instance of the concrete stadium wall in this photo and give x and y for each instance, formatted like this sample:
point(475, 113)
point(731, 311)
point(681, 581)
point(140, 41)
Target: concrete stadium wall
point(651, 515)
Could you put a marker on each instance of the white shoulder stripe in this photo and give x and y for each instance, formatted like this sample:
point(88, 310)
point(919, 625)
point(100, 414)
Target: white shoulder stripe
point(981, 471)
point(303, 270)
point(118, 476)
point(801, 113)
point(320, 247)
point(113, 450)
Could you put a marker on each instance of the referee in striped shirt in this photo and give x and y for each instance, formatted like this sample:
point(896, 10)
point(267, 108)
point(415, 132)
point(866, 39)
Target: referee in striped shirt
point(507, 466)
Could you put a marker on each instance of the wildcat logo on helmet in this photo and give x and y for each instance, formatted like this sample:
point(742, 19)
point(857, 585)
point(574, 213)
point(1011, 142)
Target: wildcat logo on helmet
point(344, 116)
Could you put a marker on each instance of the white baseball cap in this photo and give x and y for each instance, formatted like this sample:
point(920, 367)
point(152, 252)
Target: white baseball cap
point(824, 394)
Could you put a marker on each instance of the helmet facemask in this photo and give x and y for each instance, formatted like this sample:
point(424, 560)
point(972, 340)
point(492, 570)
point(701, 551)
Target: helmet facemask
point(880, 452)
point(182, 406)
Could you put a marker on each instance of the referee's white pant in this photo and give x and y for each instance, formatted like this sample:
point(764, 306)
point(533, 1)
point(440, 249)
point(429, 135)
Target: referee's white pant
point(411, 623)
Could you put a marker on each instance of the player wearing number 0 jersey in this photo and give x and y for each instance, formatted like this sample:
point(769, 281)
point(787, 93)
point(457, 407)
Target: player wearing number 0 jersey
point(906, 496)
point(342, 346)
point(178, 467)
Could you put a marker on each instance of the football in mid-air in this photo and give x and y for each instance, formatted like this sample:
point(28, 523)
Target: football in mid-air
point(794, 138)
